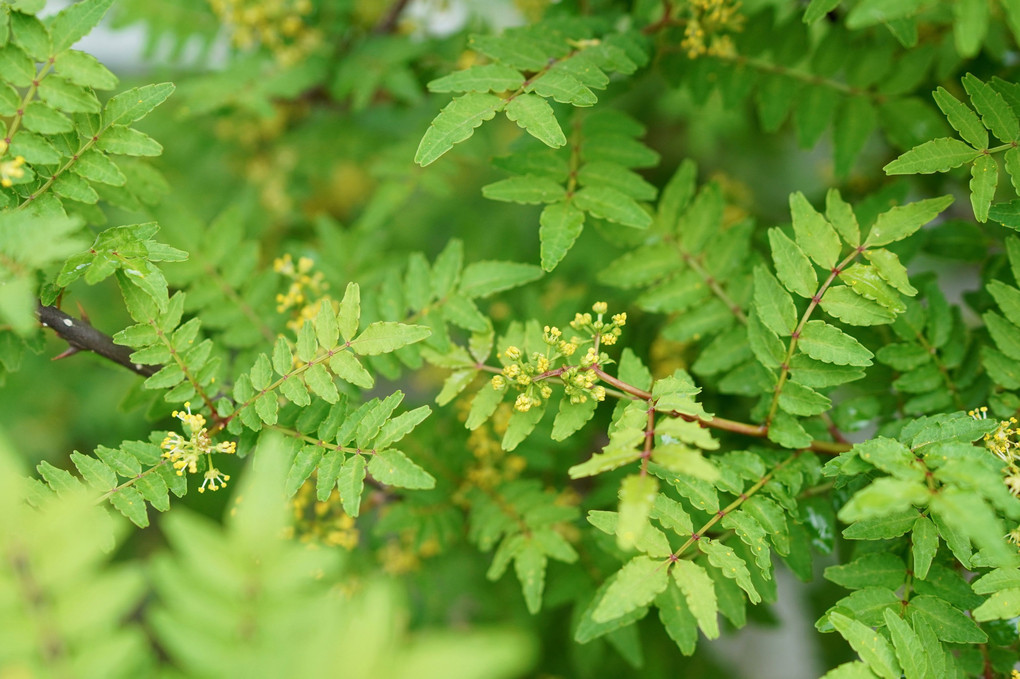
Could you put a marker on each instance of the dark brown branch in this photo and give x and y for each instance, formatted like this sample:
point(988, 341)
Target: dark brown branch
point(389, 22)
point(83, 337)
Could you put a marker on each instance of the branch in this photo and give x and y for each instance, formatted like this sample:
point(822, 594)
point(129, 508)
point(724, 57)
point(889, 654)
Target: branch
point(389, 22)
point(83, 337)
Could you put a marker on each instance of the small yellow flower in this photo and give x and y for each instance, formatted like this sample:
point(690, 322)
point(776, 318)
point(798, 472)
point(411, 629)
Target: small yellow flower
point(600, 307)
point(609, 340)
point(598, 393)
point(215, 480)
point(11, 170)
point(498, 382)
point(513, 353)
point(523, 403)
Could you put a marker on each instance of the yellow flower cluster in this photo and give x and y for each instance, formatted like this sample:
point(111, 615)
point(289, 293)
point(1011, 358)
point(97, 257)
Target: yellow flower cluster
point(529, 375)
point(493, 466)
point(708, 25)
point(305, 292)
point(322, 523)
point(401, 555)
point(1004, 445)
point(282, 26)
point(11, 170)
point(184, 452)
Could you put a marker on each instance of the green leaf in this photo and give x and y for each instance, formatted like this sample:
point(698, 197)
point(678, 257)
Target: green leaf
point(563, 87)
point(651, 540)
point(871, 12)
point(351, 484)
point(520, 426)
point(949, 623)
point(529, 565)
point(327, 331)
point(94, 166)
point(1007, 214)
point(676, 618)
point(611, 458)
point(128, 141)
point(872, 647)
point(484, 404)
point(842, 217)
point(699, 592)
point(731, 565)
point(85, 70)
point(350, 312)
point(813, 232)
point(937, 155)
point(910, 652)
point(17, 67)
point(817, 10)
point(637, 493)
point(63, 96)
point(765, 344)
point(963, 120)
point(1008, 299)
point(923, 545)
point(136, 103)
point(383, 337)
point(672, 516)
point(283, 360)
point(479, 78)
point(773, 304)
point(1012, 161)
point(984, 177)
point(305, 462)
point(394, 468)
point(844, 303)
point(43, 119)
point(792, 265)
point(347, 367)
point(866, 281)
point(996, 114)
point(131, 504)
point(571, 417)
point(517, 50)
point(95, 472)
point(456, 123)
point(615, 206)
point(605, 173)
point(481, 279)
point(888, 266)
point(635, 585)
point(879, 569)
point(824, 342)
point(1003, 333)
point(799, 400)
point(75, 21)
point(561, 224)
point(903, 220)
point(534, 115)
point(31, 35)
point(788, 432)
point(321, 384)
point(527, 189)
point(855, 121)
point(1001, 605)
point(969, 26)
